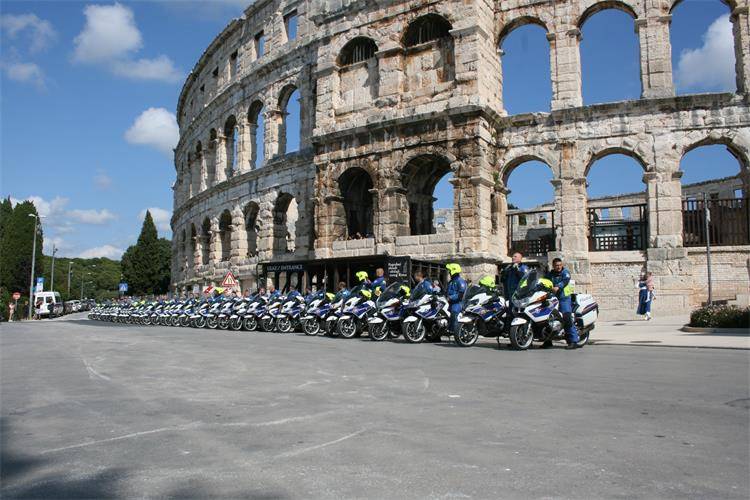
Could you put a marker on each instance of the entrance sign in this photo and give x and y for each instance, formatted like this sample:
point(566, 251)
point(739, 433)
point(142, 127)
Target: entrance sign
point(229, 280)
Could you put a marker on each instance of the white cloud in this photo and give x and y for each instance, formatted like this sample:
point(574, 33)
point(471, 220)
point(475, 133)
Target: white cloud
point(25, 72)
point(111, 38)
point(63, 247)
point(108, 251)
point(96, 217)
point(49, 209)
point(160, 68)
point(110, 33)
point(162, 218)
point(40, 32)
point(157, 128)
point(710, 67)
point(102, 181)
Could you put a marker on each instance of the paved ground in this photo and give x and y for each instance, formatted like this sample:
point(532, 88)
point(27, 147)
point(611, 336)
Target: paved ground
point(98, 410)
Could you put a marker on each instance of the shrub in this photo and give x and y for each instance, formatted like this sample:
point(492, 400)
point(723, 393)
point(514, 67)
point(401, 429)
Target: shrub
point(721, 317)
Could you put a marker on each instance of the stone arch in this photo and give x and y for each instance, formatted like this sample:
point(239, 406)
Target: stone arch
point(252, 227)
point(598, 154)
point(426, 28)
point(732, 4)
point(210, 159)
point(354, 186)
point(291, 118)
point(231, 143)
point(225, 234)
point(520, 158)
point(192, 243)
point(205, 239)
point(358, 49)
point(595, 6)
point(285, 216)
point(358, 72)
point(199, 182)
point(419, 177)
point(516, 23)
point(257, 133)
point(429, 52)
point(738, 145)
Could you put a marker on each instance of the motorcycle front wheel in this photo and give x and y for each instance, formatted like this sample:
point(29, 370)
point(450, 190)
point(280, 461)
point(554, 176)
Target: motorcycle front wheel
point(284, 325)
point(200, 322)
point(468, 334)
point(250, 323)
point(378, 331)
point(583, 337)
point(235, 324)
point(347, 327)
point(184, 321)
point(414, 331)
point(267, 324)
point(521, 336)
point(311, 327)
point(223, 323)
point(212, 323)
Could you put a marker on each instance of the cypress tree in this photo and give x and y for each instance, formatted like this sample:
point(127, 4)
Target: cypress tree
point(146, 265)
point(16, 248)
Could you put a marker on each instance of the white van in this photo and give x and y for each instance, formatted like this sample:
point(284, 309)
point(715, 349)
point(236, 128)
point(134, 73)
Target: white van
point(52, 303)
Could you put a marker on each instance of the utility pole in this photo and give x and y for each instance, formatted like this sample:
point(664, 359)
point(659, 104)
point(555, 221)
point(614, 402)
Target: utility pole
point(52, 277)
point(707, 217)
point(33, 264)
point(70, 270)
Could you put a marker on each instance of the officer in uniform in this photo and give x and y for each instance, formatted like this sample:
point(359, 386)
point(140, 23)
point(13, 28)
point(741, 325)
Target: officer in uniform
point(563, 289)
point(378, 284)
point(455, 291)
point(512, 274)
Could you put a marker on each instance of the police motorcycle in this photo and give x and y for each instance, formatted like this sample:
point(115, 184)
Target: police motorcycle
point(390, 307)
point(226, 312)
point(331, 319)
point(198, 318)
point(185, 313)
point(238, 313)
point(288, 315)
point(319, 306)
point(426, 316)
point(536, 314)
point(268, 319)
point(355, 311)
point(212, 314)
point(255, 310)
point(483, 313)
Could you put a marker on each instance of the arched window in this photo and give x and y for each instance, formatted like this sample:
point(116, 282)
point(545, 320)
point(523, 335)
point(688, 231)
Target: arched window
point(198, 180)
point(426, 29)
point(191, 245)
point(211, 162)
point(531, 212)
point(252, 227)
point(420, 177)
point(617, 205)
point(703, 48)
point(182, 251)
point(358, 83)
point(257, 127)
point(527, 85)
point(355, 185)
point(285, 215)
point(429, 57)
point(205, 241)
point(292, 123)
point(357, 50)
point(725, 191)
point(225, 234)
point(610, 59)
point(231, 137)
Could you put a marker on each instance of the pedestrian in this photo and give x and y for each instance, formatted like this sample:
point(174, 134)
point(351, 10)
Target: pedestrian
point(11, 311)
point(38, 309)
point(563, 289)
point(645, 295)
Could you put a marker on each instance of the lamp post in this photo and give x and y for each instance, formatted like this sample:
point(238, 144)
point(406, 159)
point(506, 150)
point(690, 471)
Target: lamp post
point(52, 274)
point(70, 270)
point(37, 219)
point(83, 275)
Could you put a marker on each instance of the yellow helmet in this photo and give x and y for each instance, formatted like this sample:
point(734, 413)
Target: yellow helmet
point(453, 268)
point(361, 275)
point(406, 290)
point(488, 281)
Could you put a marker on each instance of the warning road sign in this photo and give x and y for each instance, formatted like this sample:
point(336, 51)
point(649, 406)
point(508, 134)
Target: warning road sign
point(229, 280)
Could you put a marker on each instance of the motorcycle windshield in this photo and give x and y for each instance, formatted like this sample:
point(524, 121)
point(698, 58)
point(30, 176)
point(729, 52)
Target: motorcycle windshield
point(355, 291)
point(393, 291)
point(529, 284)
point(470, 293)
point(317, 295)
point(418, 293)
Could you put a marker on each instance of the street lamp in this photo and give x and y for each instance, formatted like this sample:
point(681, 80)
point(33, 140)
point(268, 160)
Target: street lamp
point(52, 277)
point(37, 220)
point(70, 271)
point(83, 275)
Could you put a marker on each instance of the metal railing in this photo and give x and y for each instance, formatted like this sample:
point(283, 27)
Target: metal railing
point(729, 222)
point(531, 233)
point(622, 227)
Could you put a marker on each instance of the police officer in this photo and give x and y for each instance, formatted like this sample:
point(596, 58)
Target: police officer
point(378, 284)
point(563, 289)
point(363, 279)
point(512, 274)
point(422, 282)
point(455, 291)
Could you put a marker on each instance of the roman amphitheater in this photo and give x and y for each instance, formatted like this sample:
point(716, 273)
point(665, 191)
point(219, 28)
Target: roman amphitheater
point(394, 95)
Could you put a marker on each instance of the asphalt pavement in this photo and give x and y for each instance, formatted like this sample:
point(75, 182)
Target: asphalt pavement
point(98, 410)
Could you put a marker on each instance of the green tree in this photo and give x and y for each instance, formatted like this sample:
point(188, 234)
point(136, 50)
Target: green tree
point(16, 247)
point(146, 265)
point(6, 211)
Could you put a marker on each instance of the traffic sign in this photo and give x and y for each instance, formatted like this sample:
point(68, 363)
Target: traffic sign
point(39, 285)
point(16, 295)
point(123, 287)
point(229, 280)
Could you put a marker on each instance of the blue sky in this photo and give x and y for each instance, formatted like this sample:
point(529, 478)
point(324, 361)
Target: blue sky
point(89, 91)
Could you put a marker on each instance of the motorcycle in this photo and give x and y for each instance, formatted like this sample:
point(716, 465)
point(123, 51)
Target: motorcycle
point(353, 319)
point(536, 313)
point(268, 320)
point(287, 319)
point(335, 312)
point(483, 313)
point(317, 309)
point(390, 307)
point(255, 310)
point(427, 317)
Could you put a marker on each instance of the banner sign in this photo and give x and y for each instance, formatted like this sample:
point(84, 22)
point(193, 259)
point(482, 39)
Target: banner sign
point(398, 268)
point(278, 268)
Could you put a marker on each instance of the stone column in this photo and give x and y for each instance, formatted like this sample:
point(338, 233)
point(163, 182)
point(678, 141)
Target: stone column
point(197, 251)
point(327, 90)
point(244, 149)
point(390, 64)
point(656, 56)
point(741, 29)
point(274, 124)
point(664, 197)
point(201, 159)
point(238, 250)
point(220, 162)
point(565, 68)
point(501, 219)
point(214, 255)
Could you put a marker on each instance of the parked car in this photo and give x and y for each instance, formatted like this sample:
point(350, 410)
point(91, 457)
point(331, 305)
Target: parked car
point(52, 304)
